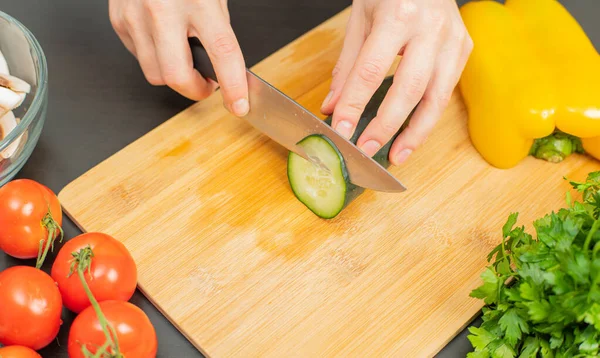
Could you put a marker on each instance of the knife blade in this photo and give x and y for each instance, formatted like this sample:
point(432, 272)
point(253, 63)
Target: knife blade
point(286, 122)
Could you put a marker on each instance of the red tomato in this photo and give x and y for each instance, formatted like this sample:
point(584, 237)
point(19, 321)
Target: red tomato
point(135, 333)
point(30, 307)
point(18, 352)
point(113, 271)
point(24, 208)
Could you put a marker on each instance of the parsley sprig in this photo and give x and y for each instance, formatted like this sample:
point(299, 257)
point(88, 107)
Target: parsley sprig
point(542, 293)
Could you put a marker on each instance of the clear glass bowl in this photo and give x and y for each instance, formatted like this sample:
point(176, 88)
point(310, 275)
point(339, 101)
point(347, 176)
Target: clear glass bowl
point(25, 60)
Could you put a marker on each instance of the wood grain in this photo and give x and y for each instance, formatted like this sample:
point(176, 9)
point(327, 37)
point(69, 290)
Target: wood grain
point(243, 269)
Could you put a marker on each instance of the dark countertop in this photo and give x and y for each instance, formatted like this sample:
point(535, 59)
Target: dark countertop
point(99, 101)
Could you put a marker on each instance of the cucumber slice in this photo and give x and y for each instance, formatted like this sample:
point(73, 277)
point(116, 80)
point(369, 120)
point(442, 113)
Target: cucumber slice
point(322, 188)
point(327, 194)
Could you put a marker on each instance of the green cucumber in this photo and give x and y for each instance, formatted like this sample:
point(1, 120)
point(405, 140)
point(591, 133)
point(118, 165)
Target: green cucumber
point(326, 194)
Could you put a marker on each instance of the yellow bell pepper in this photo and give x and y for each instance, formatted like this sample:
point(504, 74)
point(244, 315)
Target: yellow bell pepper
point(532, 82)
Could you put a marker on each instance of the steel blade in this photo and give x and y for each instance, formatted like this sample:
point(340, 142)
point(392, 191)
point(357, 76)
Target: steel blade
point(286, 122)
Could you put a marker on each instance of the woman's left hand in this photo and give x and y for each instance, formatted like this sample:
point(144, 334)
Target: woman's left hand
point(434, 44)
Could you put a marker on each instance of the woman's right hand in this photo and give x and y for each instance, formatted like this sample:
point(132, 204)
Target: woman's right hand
point(156, 32)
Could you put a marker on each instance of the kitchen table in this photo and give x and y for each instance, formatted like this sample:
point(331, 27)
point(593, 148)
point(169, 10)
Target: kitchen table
point(99, 101)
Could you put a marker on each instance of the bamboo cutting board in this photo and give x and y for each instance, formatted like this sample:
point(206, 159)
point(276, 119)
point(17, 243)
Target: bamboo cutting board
point(243, 269)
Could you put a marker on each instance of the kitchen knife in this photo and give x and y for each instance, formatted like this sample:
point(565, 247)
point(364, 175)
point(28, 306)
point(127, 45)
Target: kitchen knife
point(286, 122)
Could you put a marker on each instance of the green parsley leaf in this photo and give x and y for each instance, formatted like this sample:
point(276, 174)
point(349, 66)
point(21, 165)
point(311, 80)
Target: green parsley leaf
point(480, 338)
point(513, 326)
point(531, 346)
point(478, 354)
point(504, 351)
point(592, 316)
point(510, 222)
point(489, 290)
point(545, 350)
point(538, 310)
point(542, 291)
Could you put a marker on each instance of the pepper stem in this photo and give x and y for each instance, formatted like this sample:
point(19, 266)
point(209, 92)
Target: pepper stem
point(82, 261)
point(556, 147)
point(45, 245)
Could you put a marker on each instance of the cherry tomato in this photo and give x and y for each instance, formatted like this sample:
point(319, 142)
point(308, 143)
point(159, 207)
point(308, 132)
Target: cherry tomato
point(27, 210)
point(135, 333)
point(113, 271)
point(18, 352)
point(30, 307)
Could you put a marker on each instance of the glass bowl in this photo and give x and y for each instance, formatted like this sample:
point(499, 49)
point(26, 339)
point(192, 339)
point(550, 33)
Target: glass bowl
point(26, 60)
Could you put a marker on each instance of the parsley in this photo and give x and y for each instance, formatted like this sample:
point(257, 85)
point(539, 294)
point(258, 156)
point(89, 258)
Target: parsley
point(542, 293)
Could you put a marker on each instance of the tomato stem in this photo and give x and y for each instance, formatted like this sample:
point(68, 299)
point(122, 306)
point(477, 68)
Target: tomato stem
point(53, 228)
point(83, 261)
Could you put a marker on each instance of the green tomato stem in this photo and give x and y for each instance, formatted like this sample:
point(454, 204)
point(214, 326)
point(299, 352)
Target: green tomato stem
point(102, 350)
point(45, 245)
point(83, 260)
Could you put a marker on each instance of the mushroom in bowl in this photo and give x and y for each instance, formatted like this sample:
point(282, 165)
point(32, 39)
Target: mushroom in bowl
point(23, 95)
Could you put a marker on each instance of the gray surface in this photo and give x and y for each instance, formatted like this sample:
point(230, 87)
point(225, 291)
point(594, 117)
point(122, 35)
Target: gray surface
point(99, 101)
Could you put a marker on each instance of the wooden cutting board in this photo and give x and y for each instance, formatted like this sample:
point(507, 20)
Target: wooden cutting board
point(243, 269)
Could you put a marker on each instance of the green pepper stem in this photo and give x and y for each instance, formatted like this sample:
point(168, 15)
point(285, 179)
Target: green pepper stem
point(556, 147)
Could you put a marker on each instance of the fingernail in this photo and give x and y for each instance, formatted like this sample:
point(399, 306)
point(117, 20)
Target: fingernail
point(326, 100)
point(344, 128)
point(371, 147)
point(240, 107)
point(403, 155)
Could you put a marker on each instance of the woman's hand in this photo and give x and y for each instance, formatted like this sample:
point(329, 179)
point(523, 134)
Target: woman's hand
point(156, 32)
point(435, 46)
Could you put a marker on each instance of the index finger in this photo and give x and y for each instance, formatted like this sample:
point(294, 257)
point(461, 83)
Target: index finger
point(367, 74)
point(175, 58)
point(217, 37)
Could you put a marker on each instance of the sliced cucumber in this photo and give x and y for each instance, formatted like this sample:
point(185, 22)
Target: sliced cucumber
point(322, 188)
point(327, 194)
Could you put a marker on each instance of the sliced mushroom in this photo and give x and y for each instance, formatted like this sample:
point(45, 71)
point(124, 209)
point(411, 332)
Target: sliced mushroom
point(22, 95)
point(8, 123)
point(14, 83)
point(12, 92)
point(9, 100)
point(3, 65)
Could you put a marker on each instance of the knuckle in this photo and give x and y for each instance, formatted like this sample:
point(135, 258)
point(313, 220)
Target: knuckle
point(415, 87)
point(350, 111)
point(437, 20)
point(201, 6)
point(154, 6)
point(129, 19)
point(117, 23)
point(388, 127)
point(370, 72)
point(154, 79)
point(234, 84)
point(113, 17)
point(175, 79)
point(336, 69)
point(468, 44)
point(224, 45)
point(233, 88)
point(406, 11)
point(419, 132)
point(354, 109)
point(459, 36)
point(442, 98)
